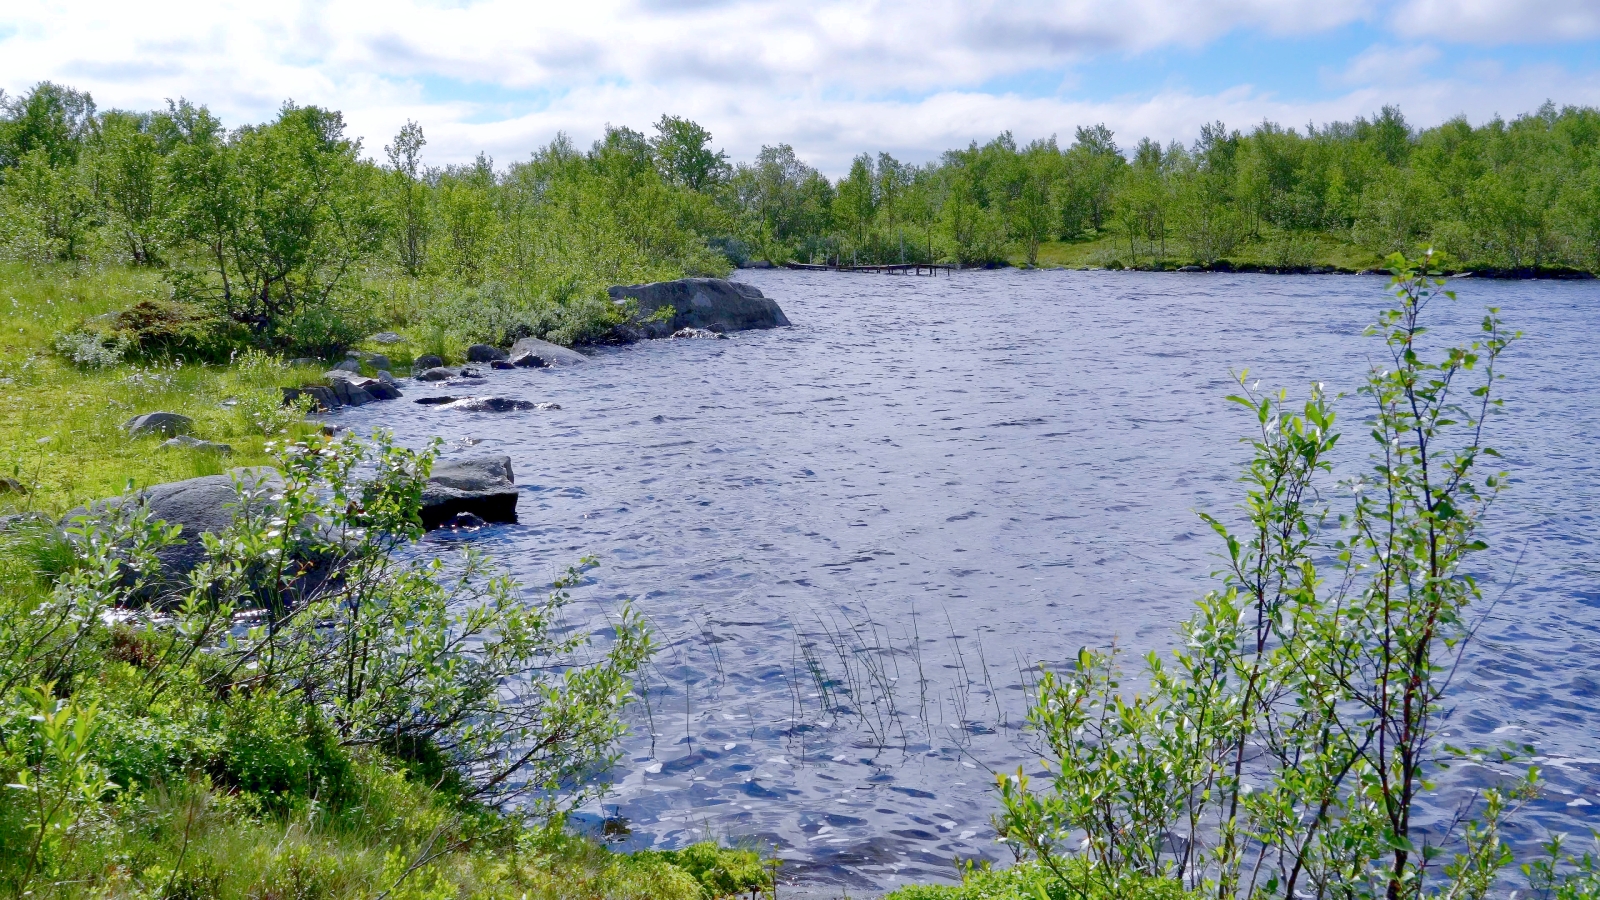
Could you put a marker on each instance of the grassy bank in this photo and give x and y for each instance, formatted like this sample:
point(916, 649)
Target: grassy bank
point(60, 423)
point(1110, 250)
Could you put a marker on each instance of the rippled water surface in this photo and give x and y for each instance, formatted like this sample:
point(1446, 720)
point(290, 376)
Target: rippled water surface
point(854, 535)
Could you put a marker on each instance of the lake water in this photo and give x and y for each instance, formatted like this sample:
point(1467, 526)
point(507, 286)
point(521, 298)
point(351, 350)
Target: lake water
point(853, 536)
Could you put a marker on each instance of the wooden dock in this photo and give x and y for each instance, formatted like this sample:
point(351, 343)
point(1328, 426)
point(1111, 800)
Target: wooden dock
point(887, 269)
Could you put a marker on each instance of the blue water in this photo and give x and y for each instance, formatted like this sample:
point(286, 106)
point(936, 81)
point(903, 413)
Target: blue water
point(853, 535)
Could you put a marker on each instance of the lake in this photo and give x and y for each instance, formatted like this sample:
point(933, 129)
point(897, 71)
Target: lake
point(856, 537)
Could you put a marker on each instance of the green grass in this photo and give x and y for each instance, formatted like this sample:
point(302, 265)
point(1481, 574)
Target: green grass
point(60, 431)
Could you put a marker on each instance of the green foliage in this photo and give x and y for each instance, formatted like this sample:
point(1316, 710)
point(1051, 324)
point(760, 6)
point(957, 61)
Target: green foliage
point(1285, 748)
point(1032, 881)
point(720, 872)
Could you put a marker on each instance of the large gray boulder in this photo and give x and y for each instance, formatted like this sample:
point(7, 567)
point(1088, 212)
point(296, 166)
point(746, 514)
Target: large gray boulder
point(482, 486)
point(205, 504)
point(550, 354)
point(701, 303)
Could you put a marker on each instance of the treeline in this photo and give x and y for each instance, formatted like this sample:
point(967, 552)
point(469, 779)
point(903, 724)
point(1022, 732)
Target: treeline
point(282, 234)
point(1519, 194)
point(286, 233)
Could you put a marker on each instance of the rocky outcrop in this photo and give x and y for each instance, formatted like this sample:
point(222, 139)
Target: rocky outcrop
point(700, 303)
point(547, 353)
point(162, 423)
point(482, 486)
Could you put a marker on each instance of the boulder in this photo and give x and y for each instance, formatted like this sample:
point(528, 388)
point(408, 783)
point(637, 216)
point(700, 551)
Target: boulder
point(12, 486)
point(378, 361)
point(436, 373)
point(206, 504)
point(358, 390)
point(701, 303)
point(385, 377)
point(528, 361)
point(501, 364)
point(482, 353)
point(326, 399)
point(551, 354)
point(163, 423)
point(482, 486)
point(185, 442)
point(349, 365)
point(425, 362)
point(387, 337)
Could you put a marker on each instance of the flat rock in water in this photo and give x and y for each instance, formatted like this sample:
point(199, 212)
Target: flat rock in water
point(436, 401)
point(164, 423)
point(701, 303)
point(497, 404)
point(698, 333)
point(481, 486)
point(437, 373)
point(552, 354)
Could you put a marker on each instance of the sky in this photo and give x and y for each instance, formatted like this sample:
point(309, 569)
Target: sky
point(831, 78)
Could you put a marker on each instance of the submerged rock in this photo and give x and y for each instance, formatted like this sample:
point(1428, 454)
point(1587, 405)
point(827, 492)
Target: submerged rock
point(497, 404)
point(698, 333)
point(551, 354)
point(436, 373)
point(482, 486)
point(501, 364)
point(528, 361)
point(701, 303)
point(163, 423)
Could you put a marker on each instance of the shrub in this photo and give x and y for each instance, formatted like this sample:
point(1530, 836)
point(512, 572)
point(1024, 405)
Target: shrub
point(281, 750)
point(721, 872)
point(1286, 748)
point(90, 350)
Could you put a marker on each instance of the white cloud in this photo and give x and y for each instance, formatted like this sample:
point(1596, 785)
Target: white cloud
point(833, 77)
point(1500, 21)
point(1383, 64)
